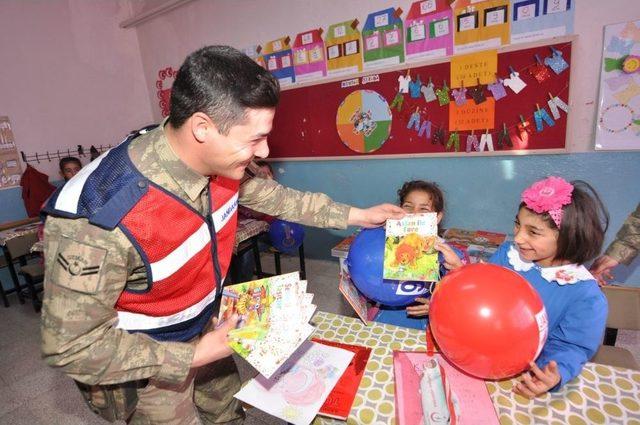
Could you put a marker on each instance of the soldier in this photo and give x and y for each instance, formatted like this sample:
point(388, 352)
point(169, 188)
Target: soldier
point(137, 245)
point(623, 250)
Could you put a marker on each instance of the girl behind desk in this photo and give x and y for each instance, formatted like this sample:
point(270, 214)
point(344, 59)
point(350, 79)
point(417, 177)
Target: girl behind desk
point(416, 197)
point(560, 226)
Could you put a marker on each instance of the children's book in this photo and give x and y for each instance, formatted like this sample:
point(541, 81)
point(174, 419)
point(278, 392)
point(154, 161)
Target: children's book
point(338, 403)
point(408, 252)
point(428, 386)
point(350, 293)
point(274, 314)
point(477, 245)
point(300, 387)
point(342, 249)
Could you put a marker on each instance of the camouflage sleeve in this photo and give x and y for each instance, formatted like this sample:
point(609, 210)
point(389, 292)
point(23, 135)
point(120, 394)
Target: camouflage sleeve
point(313, 209)
point(627, 242)
point(86, 269)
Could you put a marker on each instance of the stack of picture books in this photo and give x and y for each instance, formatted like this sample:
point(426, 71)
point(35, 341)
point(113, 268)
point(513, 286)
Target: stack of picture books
point(274, 316)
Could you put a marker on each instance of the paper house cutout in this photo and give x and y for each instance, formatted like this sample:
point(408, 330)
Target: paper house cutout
point(309, 60)
point(538, 19)
point(429, 30)
point(480, 25)
point(383, 39)
point(343, 48)
point(255, 53)
point(278, 58)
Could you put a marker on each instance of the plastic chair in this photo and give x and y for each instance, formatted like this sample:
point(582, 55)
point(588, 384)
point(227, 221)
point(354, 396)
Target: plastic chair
point(624, 313)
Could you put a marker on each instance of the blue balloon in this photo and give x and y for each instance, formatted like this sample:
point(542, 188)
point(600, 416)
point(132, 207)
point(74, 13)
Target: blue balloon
point(365, 262)
point(286, 236)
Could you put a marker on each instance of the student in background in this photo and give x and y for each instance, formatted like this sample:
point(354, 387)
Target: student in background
point(69, 167)
point(623, 250)
point(559, 226)
point(417, 197)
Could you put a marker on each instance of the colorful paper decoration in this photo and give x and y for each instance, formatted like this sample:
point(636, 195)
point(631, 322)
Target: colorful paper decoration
point(255, 53)
point(428, 92)
point(497, 89)
point(471, 116)
point(278, 57)
point(344, 51)
point(556, 103)
point(541, 115)
point(539, 71)
point(309, 61)
point(503, 137)
point(403, 82)
point(363, 121)
point(454, 140)
point(443, 94)
point(480, 24)
point(382, 39)
point(514, 82)
point(472, 143)
point(415, 87)
point(477, 93)
point(540, 19)
point(460, 96)
point(438, 136)
point(429, 30)
point(164, 82)
point(425, 129)
point(556, 61)
point(619, 98)
point(414, 120)
point(486, 140)
point(397, 102)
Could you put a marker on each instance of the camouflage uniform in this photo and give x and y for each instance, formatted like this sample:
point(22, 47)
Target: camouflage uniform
point(627, 242)
point(78, 316)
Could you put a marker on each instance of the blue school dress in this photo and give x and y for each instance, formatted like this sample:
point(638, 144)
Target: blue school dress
point(576, 309)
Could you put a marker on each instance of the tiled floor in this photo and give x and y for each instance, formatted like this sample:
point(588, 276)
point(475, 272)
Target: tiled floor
point(33, 394)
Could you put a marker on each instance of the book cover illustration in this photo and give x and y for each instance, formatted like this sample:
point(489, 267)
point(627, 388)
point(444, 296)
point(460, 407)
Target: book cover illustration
point(430, 386)
point(409, 253)
point(338, 403)
point(274, 314)
point(356, 300)
point(300, 387)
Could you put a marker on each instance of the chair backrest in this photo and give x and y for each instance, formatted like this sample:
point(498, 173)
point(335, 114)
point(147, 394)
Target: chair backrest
point(624, 307)
point(21, 245)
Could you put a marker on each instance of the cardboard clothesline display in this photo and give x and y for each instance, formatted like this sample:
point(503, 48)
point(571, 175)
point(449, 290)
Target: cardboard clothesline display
point(509, 100)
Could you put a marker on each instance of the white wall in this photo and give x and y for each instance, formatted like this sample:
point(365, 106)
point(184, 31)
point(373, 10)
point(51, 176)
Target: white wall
point(69, 75)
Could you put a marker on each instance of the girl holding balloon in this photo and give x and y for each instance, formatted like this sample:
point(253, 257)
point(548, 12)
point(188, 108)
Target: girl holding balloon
point(559, 227)
point(418, 197)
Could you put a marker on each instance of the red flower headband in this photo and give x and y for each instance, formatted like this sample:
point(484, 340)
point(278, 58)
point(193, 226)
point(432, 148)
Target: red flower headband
point(548, 195)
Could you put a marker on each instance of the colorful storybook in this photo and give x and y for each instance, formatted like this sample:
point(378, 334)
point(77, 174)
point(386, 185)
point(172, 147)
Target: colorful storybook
point(301, 386)
point(274, 316)
point(477, 245)
point(408, 252)
point(429, 386)
point(356, 300)
point(338, 403)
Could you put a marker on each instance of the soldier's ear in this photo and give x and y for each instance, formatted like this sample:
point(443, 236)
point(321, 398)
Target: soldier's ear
point(202, 127)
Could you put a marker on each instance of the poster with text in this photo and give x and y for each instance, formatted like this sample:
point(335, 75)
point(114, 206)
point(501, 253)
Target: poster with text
point(618, 120)
point(533, 20)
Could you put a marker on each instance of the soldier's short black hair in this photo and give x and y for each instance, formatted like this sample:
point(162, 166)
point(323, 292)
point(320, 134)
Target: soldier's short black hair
point(584, 223)
point(223, 83)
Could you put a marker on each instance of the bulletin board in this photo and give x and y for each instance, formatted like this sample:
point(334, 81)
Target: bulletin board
point(305, 126)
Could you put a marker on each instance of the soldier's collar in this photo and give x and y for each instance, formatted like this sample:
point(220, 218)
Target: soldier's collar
point(190, 181)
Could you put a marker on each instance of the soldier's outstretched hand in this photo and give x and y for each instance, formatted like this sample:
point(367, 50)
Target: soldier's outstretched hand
point(213, 345)
point(374, 216)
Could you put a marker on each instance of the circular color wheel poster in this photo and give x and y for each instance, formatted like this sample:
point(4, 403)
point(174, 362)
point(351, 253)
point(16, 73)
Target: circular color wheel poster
point(363, 121)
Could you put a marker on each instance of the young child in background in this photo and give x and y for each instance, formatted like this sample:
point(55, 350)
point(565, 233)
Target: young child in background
point(560, 226)
point(417, 197)
point(69, 167)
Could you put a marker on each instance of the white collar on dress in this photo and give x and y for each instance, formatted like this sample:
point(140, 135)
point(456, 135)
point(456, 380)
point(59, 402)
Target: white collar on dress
point(567, 274)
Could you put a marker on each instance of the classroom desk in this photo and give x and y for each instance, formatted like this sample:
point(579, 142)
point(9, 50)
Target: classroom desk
point(600, 395)
point(12, 230)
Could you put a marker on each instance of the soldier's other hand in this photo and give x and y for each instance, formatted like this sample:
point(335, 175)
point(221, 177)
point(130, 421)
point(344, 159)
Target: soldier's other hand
point(214, 345)
point(602, 268)
point(374, 216)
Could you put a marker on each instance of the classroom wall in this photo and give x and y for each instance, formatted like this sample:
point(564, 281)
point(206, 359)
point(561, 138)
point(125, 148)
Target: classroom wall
point(481, 193)
point(69, 76)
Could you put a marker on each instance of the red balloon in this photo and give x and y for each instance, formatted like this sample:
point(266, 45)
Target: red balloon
point(488, 320)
